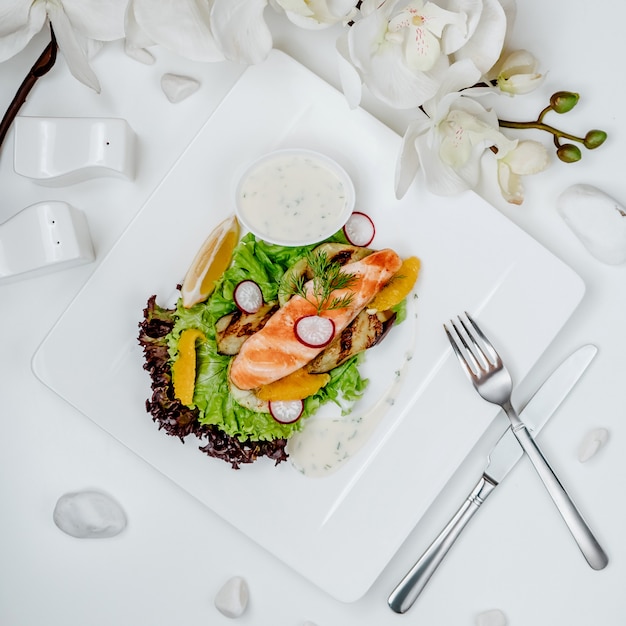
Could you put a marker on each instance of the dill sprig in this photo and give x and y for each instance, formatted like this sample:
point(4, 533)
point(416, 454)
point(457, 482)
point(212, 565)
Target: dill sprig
point(327, 278)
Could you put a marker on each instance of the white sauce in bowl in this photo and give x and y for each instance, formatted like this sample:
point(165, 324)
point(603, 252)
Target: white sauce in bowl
point(294, 197)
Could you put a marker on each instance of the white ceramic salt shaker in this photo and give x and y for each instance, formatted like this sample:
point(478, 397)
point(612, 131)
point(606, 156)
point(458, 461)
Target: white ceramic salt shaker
point(57, 151)
point(43, 237)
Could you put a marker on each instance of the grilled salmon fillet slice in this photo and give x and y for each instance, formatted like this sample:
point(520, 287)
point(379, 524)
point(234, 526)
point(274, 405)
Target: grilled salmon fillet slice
point(274, 351)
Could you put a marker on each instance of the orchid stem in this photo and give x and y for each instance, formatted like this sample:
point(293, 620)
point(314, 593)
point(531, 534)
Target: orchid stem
point(544, 113)
point(42, 66)
point(539, 125)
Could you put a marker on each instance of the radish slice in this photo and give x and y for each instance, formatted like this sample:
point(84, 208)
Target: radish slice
point(286, 411)
point(314, 331)
point(359, 229)
point(248, 296)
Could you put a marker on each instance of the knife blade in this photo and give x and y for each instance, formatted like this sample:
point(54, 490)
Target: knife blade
point(507, 451)
point(500, 461)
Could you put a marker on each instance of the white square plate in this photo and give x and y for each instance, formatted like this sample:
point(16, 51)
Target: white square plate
point(341, 530)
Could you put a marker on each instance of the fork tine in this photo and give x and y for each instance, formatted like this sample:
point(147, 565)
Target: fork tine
point(495, 357)
point(467, 368)
point(477, 350)
point(478, 366)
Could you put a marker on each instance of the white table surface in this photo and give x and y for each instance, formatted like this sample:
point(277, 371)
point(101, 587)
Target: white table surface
point(166, 567)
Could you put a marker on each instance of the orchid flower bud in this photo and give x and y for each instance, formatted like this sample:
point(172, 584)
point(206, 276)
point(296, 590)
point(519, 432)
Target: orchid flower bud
point(569, 153)
point(563, 101)
point(518, 73)
point(594, 138)
point(526, 158)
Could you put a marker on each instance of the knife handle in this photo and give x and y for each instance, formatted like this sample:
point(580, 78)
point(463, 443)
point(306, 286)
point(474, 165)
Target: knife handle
point(588, 544)
point(410, 587)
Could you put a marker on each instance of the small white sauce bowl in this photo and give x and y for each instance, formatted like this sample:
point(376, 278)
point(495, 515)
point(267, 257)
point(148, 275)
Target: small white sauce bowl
point(294, 197)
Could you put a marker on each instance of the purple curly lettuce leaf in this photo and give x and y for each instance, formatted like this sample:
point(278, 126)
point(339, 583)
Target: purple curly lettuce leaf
point(222, 446)
point(179, 420)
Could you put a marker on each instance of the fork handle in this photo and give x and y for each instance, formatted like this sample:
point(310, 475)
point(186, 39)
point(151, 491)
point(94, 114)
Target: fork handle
point(588, 544)
point(410, 587)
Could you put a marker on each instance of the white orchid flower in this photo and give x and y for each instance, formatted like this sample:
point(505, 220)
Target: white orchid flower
point(240, 30)
point(488, 23)
point(77, 25)
point(527, 157)
point(518, 73)
point(418, 27)
point(399, 49)
point(244, 36)
point(181, 26)
point(449, 137)
point(314, 14)
point(396, 51)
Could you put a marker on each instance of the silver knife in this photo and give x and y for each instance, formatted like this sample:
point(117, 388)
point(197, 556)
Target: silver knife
point(501, 460)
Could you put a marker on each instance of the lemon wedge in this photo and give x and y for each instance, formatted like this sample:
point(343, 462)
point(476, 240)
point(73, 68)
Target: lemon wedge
point(210, 262)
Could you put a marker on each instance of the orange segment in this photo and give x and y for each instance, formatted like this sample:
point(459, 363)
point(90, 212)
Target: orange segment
point(398, 287)
point(297, 386)
point(210, 262)
point(184, 368)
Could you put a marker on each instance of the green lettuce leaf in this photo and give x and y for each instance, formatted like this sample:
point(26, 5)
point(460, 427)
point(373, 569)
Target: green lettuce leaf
point(265, 264)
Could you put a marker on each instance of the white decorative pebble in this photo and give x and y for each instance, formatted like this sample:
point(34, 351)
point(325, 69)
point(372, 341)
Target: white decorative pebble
point(591, 443)
point(494, 617)
point(89, 515)
point(232, 599)
point(177, 88)
point(598, 220)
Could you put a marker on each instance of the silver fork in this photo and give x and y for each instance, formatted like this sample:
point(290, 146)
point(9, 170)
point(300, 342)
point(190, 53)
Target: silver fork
point(493, 382)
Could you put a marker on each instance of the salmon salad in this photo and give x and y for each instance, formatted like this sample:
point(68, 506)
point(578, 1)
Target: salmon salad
point(281, 333)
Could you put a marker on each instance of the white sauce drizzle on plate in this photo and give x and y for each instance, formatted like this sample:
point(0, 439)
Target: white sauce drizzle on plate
point(324, 444)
